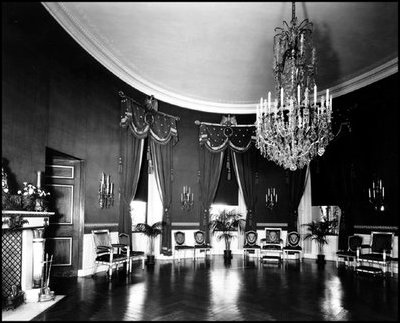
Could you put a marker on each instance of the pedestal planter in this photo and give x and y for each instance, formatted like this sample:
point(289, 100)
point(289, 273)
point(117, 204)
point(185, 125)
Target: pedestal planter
point(150, 260)
point(227, 254)
point(320, 259)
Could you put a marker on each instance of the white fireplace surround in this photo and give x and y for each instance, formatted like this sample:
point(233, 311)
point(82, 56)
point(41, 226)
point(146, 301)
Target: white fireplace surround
point(32, 249)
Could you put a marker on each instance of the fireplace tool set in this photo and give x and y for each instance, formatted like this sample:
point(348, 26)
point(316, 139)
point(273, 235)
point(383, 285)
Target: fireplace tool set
point(45, 293)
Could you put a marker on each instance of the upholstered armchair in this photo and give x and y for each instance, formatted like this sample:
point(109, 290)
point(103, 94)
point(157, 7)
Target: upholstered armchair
point(105, 252)
point(200, 244)
point(379, 251)
point(271, 248)
point(134, 255)
point(250, 243)
point(180, 244)
point(292, 245)
point(350, 255)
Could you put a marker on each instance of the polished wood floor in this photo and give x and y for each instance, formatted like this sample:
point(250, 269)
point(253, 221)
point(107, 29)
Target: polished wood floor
point(212, 290)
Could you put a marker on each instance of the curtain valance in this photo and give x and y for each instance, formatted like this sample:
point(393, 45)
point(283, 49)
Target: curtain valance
point(217, 137)
point(144, 120)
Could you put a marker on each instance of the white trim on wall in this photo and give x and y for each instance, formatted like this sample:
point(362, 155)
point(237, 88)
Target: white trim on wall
point(83, 37)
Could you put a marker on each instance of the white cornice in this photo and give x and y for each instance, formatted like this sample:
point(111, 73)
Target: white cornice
point(114, 65)
point(374, 75)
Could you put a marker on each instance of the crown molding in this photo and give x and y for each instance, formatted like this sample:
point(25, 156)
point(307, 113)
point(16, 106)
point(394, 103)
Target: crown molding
point(386, 69)
point(95, 48)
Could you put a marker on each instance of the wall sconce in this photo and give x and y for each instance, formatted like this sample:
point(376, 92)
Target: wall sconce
point(376, 195)
point(271, 198)
point(106, 192)
point(186, 198)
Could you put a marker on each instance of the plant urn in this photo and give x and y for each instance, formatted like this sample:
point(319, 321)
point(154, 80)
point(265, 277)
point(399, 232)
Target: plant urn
point(227, 254)
point(320, 259)
point(150, 260)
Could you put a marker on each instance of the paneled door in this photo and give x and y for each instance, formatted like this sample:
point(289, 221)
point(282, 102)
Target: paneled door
point(63, 179)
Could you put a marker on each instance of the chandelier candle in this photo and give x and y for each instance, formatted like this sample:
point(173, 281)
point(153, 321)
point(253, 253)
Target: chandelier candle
point(291, 131)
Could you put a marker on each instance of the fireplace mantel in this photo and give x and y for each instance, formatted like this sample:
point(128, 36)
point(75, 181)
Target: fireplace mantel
point(32, 248)
point(35, 219)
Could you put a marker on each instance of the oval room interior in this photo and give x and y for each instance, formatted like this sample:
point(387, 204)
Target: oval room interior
point(200, 161)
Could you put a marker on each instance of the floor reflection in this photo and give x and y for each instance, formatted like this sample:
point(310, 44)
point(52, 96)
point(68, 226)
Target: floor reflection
point(209, 289)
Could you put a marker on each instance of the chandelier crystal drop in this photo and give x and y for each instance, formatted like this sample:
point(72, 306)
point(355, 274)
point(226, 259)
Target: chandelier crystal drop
point(293, 130)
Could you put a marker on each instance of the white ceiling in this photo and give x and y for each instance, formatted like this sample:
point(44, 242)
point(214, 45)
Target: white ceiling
point(217, 57)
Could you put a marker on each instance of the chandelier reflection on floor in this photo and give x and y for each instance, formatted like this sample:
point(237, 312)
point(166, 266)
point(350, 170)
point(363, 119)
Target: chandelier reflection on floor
point(291, 131)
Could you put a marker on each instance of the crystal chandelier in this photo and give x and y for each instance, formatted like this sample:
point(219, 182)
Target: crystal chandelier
point(291, 131)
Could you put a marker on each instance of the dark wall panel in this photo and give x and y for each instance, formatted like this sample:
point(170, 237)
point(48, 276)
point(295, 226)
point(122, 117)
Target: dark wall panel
point(371, 149)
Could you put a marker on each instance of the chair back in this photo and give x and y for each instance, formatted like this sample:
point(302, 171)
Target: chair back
point(179, 238)
point(101, 238)
point(293, 239)
point(381, 241)
point(251, 238)
point(123, 238)
point(199, 237)
point(273, 236)
point(354, 242)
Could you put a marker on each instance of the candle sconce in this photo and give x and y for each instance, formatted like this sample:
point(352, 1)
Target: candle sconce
point(271, 198)
point(106, 192)
point(376, 195)
point(186, 198)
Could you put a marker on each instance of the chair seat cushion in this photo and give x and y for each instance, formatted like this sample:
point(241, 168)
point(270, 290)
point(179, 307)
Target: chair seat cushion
point(346, 253)
point(134, 253)
point(374, 257)
point(183, 247)
point(255, 246)
point(271, 247)
point(292, 248)
point(106, 258)
point(202, 246)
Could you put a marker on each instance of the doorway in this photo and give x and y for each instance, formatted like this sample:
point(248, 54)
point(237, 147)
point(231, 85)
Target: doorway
point(64, 235)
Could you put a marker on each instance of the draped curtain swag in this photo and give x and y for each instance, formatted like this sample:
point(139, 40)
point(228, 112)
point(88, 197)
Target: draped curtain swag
point(217, 137)
point(213, 140)
point(161, 128)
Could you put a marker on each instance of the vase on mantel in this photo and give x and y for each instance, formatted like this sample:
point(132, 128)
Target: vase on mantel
point(28, 203)
point(39, 205)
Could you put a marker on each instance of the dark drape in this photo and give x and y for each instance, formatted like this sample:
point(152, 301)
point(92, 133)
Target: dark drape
point(137, 123)
point(297, 183)
point(131, 160)
point(245, 168)
point(214, 140)
point(210, 164)
point(162, 159)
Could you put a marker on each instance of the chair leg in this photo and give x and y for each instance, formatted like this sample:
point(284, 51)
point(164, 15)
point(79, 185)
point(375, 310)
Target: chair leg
point(110, 271)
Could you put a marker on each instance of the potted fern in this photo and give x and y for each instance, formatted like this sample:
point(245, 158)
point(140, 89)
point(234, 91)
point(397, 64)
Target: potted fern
point(318, 231)
point(223, 225)
point(151, 231)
